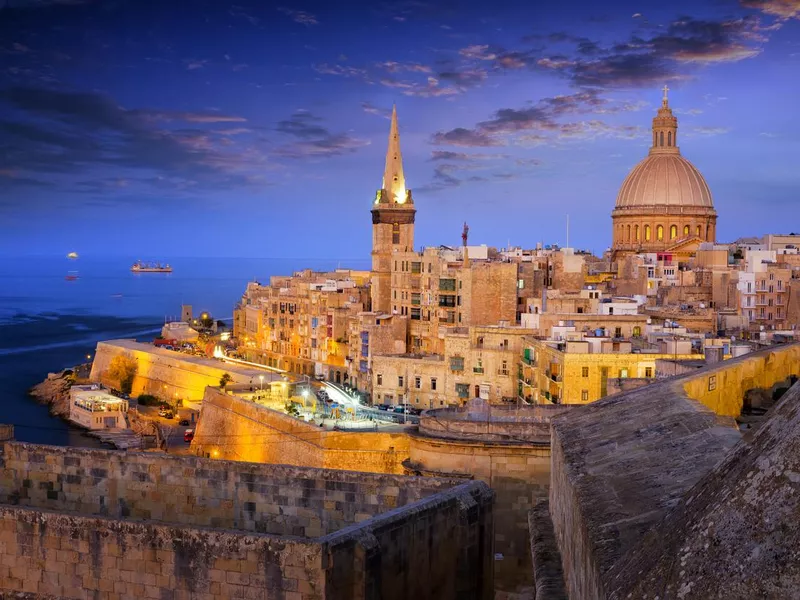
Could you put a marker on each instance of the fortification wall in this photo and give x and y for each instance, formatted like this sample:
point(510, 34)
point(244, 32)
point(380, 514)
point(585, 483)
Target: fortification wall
point(236, 429)
point(164, 373)
point(70, 556)
point(260, 498)
point(519, 474)
point(117, 525)
point(722, 388)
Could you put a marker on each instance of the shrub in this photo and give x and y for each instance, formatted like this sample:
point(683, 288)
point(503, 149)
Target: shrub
point(149, 400)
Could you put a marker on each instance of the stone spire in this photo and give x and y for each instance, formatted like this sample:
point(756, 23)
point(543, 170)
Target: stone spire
point(665, 129)
point(394, 182)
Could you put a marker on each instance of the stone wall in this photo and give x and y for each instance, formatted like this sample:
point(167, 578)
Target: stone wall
point(78, 523)
point(165, 373)
point(723, 387)
point(69, 556)
point(619, 465)
point(236, 429)
point(518, 473)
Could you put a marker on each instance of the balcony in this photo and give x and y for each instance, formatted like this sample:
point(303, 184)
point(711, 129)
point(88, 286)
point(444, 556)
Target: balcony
point(553, 376)
point(478, 370)
point(502, 372)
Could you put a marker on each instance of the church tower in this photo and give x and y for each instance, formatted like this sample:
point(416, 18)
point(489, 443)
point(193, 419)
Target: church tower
point(392, 222)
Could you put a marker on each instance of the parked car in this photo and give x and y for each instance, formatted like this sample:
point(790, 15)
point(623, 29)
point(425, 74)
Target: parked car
point(384, 407)
point(188, 435)
point(184, 423)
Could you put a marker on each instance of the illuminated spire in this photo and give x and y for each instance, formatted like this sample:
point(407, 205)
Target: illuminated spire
point(394, 182)
point(665, 100)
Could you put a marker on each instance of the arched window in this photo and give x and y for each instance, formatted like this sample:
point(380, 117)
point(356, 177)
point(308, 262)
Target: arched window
point(669, 138)
point(673, 232)
point(699, 231)
point(662, 138)
point(685, 230)
point(637, 331)
point(655, 139)
point(647, 233)
point(636, 232)
point(395, 233)
point(708, 232)
point(628, 234)
point(660, 233)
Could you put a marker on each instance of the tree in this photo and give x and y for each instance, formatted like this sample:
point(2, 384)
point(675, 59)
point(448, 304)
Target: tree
point(225, 380)
point(291, 409)
point(122, 369)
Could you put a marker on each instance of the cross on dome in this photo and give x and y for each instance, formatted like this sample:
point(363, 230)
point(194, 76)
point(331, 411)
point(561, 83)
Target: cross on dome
point(666, 89)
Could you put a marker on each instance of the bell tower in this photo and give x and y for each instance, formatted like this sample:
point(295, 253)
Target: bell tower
point(392, 221)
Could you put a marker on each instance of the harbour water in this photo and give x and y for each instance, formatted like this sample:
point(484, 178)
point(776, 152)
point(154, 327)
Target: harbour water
point(48, 323)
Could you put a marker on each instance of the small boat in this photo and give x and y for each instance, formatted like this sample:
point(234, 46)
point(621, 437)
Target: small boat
point(71, 276)
point(72, 255)
point(145, 267)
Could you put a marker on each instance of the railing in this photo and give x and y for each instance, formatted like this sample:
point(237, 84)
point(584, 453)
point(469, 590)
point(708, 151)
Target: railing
point(478, 370)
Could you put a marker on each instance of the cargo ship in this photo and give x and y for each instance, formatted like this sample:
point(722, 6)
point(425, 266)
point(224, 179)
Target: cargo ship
point(145, 267)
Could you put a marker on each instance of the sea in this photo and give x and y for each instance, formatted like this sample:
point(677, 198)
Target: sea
point(48, 323)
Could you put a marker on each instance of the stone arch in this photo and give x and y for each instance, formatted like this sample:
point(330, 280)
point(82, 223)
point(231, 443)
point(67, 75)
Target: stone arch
point(685, 230)
point(699, 231)
point(662, 139)
point(628, 234)
point(636, 232)
point(669, 138)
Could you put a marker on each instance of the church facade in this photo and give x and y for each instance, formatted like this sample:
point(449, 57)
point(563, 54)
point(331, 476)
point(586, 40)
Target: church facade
point(664, 203)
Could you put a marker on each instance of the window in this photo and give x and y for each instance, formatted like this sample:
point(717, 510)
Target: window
point(447, 285)
point(685, 230)
point(416, 268)
point(379, 377)
point(433, 383)
point(618, 332)
point(462, 390)
point(699, 231)
point(661, 139)
point(585, 395)
point(478, 368)
point(504, 368)
point(673, 232)
point(456, 363)
point(648, 371)
point(395, 233)
point(637, 331)
point(669, 138)
point(623, 373)
point(415, 298)
point(418, 382)
point(636, 232)
point(660, 233)
point(399, 381)
point(647, 233)
point(584, 371)
point(448, 301)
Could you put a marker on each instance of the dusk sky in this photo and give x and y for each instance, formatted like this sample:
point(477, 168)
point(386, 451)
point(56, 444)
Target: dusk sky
point(202, 128)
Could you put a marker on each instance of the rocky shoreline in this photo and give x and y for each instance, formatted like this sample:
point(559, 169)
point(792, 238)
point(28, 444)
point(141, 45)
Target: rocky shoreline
point(54, 392)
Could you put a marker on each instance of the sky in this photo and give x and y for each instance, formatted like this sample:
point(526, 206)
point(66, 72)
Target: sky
point(161, 128)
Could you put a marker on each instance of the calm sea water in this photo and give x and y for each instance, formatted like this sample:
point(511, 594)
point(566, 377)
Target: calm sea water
point(48, 323)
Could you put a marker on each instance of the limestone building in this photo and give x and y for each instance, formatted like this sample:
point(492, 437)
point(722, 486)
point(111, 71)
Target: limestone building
point(664, 203)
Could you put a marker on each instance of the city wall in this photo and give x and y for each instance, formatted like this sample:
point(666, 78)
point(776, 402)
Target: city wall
point(620, 464)
point(236, 429)
point(165, 373)
point(78, 523)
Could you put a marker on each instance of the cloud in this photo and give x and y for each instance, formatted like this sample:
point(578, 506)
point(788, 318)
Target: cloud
point(396, 67)
point(374, 110)
point(193, 64)
point(465, 137)
point(299, 16)
point(161, 115)
point(479, 52)
point(708, 131)
point(439, 155)
point(62, 134)
point(542, 122)
point(784, 9)
point(430, 89)
point(342, 70)
point(314, 140)
point(643, 61)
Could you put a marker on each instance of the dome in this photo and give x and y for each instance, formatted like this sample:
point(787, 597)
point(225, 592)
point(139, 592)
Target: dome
point(664, 179)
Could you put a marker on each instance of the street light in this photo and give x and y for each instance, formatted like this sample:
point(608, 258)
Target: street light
point(261, 377)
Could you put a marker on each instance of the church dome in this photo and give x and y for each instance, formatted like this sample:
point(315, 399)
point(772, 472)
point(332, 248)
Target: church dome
point(664, 179)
